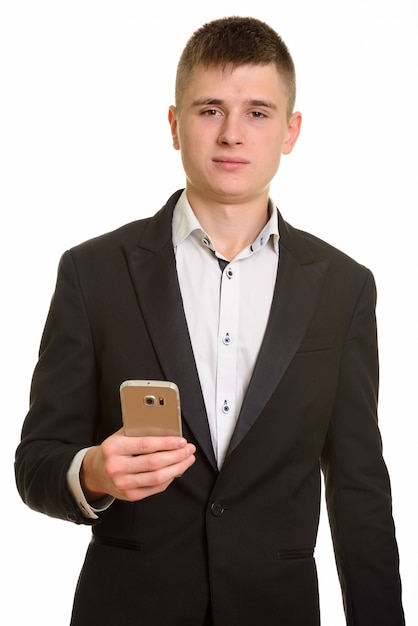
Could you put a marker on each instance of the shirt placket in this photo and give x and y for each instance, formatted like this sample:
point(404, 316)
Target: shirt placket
point(226, 406)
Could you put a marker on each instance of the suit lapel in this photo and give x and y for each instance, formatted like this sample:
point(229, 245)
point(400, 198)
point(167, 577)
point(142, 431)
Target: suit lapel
point(153, 272)
point(297, 290)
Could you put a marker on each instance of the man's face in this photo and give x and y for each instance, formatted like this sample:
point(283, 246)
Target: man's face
point(232, 129)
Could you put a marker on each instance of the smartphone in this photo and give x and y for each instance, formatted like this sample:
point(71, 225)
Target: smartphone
point(150, 408)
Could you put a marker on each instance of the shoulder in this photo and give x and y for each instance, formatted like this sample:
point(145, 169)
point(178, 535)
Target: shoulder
point(155, 230)
point(127, 234)
point(343, 273)
point(311, 247)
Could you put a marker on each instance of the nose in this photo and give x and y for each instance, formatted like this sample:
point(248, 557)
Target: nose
point(231, 132)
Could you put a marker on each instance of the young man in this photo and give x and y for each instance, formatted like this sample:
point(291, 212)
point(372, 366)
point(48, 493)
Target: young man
point(270, 336)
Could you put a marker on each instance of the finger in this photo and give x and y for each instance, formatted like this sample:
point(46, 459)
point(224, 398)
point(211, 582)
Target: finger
point(155, 461)
point(139, 485)
point(148, 445)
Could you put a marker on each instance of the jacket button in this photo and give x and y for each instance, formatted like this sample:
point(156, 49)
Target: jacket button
point(216, 509)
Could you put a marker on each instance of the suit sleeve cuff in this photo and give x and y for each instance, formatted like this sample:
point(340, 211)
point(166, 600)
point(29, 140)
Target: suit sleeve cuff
point(74, 485)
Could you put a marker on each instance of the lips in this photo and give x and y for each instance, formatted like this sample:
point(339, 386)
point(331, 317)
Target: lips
point(230, 163)
point(230, 160)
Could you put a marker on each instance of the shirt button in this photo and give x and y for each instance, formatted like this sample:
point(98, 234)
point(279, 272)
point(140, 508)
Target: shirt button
point(206, 242)
point(229, 273)
point(216, 509)
point(226, 340)
point(225, 407)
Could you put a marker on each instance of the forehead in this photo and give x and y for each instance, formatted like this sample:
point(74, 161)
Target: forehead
point(249, 80)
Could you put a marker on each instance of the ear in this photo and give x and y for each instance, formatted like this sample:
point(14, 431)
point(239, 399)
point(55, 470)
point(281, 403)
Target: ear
point(293, 130)
point(172, 120)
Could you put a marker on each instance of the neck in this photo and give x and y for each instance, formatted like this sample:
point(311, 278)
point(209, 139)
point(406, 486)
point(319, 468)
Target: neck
point(231, 227)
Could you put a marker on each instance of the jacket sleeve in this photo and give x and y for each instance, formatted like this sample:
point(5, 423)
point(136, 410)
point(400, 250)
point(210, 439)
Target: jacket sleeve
point(357, 483)
point(63, 403)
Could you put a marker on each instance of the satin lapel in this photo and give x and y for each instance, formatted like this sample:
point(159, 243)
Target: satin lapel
point(154, 276)
point(296, 294)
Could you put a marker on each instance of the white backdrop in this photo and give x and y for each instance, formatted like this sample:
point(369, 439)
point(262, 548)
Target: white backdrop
point(85, 146)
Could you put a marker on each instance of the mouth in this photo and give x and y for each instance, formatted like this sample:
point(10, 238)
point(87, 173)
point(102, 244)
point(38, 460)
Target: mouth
point(230, 163)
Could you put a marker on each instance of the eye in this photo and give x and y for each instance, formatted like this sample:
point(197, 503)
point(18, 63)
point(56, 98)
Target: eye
point(210, 112)
point(258, 115)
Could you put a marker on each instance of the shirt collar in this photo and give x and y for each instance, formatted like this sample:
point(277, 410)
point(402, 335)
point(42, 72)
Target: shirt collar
point(185, 223)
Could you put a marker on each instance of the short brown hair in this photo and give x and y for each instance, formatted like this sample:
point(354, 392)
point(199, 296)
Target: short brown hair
point(235, 41)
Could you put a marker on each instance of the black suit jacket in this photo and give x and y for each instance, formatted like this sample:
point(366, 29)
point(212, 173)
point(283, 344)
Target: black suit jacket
point(243, 538)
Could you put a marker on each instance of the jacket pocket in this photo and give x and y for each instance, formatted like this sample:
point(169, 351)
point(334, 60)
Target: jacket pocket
point(297, 553)
point(116, 543)
point(317, 343)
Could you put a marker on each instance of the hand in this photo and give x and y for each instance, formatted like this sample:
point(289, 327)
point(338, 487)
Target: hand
point(133, 468)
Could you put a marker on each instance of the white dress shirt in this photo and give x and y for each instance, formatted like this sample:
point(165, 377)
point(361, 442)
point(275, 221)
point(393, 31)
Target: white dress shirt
point(226, 312)
point(227, 305)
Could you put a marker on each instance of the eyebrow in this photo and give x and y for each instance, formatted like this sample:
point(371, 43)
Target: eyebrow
point(250, 102)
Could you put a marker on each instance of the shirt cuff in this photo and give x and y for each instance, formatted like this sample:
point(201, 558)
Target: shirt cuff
point(74, 485)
